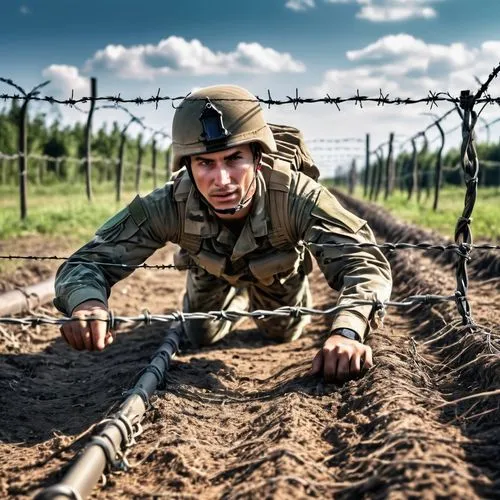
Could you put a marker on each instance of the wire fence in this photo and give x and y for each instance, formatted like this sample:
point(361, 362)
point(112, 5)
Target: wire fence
point(464, 105)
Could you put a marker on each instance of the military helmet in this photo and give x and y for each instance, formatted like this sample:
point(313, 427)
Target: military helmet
point(218, 117)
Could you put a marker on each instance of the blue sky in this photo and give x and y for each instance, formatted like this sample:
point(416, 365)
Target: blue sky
point(404, 46)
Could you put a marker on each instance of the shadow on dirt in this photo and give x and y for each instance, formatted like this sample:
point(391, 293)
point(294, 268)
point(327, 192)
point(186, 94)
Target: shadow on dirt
point(64, 391)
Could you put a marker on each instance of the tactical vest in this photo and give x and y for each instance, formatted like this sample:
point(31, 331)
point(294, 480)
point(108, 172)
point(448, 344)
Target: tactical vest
point(288, 254)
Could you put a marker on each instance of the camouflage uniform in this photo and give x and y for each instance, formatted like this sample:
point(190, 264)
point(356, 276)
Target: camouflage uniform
point(292, 217)
point(274, 274)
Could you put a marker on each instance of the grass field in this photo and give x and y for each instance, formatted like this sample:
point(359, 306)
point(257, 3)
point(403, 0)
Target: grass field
point(485, 216)
point(61, 210)
point(64, 211)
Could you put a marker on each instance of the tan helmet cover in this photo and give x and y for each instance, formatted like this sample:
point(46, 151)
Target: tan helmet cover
point(242, 117)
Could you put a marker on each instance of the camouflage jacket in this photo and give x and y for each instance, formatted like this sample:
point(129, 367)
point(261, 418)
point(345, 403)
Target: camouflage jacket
point(261, 252)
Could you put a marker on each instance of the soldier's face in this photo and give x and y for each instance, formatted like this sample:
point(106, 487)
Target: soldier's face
point(225, 177)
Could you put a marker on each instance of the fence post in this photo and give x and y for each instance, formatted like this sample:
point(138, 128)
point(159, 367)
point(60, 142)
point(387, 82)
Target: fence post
point(352, 178)
point(439, 167)
point(422, 178)
point(119, 170)
point(23, 158)
point(373, 177)
point(367, 166)
point(168, 163)
point(88, 139)
point(414, 170)
point(153, 161)
point(139, 163)
point(380, 169)
point(389, 169)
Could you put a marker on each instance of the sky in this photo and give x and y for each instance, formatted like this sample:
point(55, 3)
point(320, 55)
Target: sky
point(403, 47)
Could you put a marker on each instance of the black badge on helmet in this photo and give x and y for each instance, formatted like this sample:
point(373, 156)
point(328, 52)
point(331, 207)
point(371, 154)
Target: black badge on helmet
point(214, 132)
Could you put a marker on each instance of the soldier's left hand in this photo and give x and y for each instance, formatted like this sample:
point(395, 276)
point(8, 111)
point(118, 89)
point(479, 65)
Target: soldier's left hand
point(341, 358)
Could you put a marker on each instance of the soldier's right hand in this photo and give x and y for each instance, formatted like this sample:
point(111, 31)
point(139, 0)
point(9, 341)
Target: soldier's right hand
point(92, 335)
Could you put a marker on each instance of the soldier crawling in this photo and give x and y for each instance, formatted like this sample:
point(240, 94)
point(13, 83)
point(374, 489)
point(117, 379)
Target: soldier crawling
point(247, 219)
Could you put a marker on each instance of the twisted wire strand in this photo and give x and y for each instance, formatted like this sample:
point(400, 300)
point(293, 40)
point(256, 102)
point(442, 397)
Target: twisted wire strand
point(432, 99)
point(455, 247)
point(230, 315)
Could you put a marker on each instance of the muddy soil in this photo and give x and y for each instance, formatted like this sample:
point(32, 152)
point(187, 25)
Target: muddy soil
point(243, 419)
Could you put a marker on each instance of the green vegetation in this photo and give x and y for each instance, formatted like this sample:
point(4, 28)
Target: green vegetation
point(57, 204)
point(48, 137)
point(61, 210)
point(485, 217)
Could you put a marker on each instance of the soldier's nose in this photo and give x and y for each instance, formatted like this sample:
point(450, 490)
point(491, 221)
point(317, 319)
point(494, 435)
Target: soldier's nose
point(222, 177)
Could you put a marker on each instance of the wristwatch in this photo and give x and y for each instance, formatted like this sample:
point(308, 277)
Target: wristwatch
point(347, 333)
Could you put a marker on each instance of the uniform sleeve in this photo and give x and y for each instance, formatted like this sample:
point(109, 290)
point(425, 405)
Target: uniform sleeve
point(129, 238)
point(357, 273)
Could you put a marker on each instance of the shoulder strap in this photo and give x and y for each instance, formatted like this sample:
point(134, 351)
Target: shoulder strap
point(182, 188)
point(279, 182)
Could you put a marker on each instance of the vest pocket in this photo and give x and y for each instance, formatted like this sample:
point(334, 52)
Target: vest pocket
point(267, 268)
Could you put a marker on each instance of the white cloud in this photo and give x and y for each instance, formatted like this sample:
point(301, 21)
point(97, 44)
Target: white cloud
point(65, 79)
point(175, 55)
point(391, 10)
point(404, 66)
point(300, 5)
point(24, 10)
point(391, 13)
point(414, 64)
point(402, 53)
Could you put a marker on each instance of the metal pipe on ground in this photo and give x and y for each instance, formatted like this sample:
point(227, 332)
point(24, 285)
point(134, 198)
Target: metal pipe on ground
point(108, 446)
point(25, 299)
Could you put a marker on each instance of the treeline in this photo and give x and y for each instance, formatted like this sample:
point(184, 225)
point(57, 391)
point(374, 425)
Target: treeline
point(65, 147)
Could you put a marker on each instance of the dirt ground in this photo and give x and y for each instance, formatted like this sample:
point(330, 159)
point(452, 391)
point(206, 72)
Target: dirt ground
point(243, 419)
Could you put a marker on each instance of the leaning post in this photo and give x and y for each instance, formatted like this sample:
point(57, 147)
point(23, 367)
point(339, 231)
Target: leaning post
point(88, 139)
point(23, 158)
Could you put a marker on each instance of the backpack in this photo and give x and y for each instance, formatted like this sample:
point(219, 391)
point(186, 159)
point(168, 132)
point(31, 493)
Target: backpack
point(292, 149)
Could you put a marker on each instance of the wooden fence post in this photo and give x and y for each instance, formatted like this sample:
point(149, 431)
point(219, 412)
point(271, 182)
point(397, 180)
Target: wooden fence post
point(380, 169)
point(139, 163)
point(119, 170)
point(439, 167)
point(153, 162)
point(422, 178)
point(23, 158)
point(373, 178)
point(168, 163)
point(414, 170)
point(88, 139)
point(389, 169)
point(367, 166)
point(352, 178)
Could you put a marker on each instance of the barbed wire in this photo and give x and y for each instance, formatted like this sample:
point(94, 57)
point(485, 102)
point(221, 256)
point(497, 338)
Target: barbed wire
point(334, 140)
point(147, 318)
point(340, 148)
point(432, 99)
point(382, 246)
point(136, 119)
point(145, 169)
